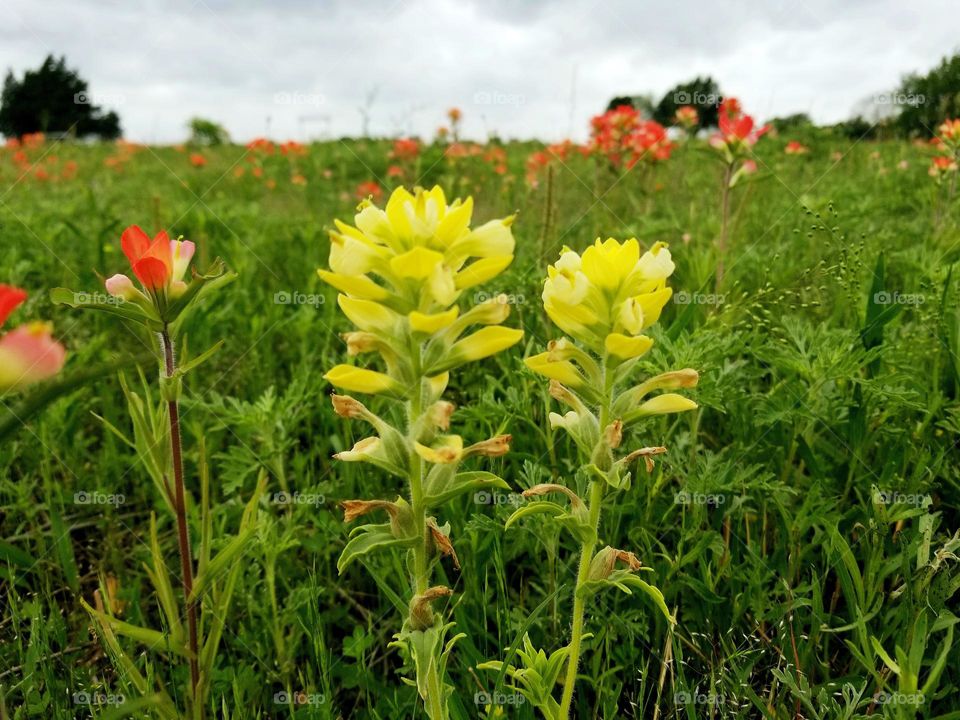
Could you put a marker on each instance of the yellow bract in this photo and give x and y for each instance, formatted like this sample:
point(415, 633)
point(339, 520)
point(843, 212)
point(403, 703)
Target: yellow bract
point(605, 298)
point(357, 379)
point(422, 322)
point(399, 271)
point(610, 289)
point(485, 342)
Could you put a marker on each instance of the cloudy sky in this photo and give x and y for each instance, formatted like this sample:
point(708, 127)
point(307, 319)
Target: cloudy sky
point(521, 68)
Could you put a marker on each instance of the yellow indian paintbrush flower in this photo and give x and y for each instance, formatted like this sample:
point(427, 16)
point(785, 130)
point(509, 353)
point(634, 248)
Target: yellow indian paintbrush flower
point(400, 270)
point(605, 298)
point(609, 294)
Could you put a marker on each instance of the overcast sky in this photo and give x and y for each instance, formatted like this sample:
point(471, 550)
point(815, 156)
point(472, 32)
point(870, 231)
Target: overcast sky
point(521, 68)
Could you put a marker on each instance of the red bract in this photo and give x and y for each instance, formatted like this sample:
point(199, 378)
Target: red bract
point(10, 299)
point(623, 136)
point(149, 259)
point(369, 189)
point(197, 160)
point(737, 132)
point(292, 147)
point(28, 353)
point(795, 147)
point(261, 146)
point(687, 116)
point(405, 149)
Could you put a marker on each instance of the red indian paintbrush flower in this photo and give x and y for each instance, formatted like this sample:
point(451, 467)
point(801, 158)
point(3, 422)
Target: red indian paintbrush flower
point(28, 353)
point(737, 132)
point(687, 117)
point(405, 149)
point(159, 264)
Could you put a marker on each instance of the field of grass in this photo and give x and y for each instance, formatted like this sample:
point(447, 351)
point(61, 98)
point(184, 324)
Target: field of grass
point(802, 525)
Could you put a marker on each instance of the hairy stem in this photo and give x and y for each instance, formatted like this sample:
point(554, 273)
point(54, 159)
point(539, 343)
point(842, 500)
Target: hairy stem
point(421, 562)
point(576, 633)
point(724, 222)
point(595, 502)
point(183, 534)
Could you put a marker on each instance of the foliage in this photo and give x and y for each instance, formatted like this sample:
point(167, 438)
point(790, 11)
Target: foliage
point(207, 132)
point(703, 93)
point(53, 99)
point(802, 525)
point(925, 100)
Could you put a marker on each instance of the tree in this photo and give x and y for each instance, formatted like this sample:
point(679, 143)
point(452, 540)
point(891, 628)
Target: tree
point(703, 93)
point(797, 121)
point(924, 101)
point(207, 132)
point(53, 99)
point(643, 103)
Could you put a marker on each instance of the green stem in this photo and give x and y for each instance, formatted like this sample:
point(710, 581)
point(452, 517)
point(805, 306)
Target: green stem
point(587, 548)
point(579, 606)
point(183, 532)
point(421, 563)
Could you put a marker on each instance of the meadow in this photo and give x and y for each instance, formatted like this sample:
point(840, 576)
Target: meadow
point(801, 526)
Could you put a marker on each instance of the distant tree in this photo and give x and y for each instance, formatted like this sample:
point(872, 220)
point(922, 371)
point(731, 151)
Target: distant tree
point(207, 132)
point(703, 93)
point(858, 128)
point(797, 121)
point(643, 103)
point(53, 99)
point(924, 101)
point(619, 101)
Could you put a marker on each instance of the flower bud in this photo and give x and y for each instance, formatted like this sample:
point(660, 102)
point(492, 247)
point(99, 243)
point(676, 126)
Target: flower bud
point(613, 434)
point(494, 447)
point(604, 562)
point(348, 407)
point(360, 342)
point(442, 542)
point(121, 286)
point(421, 614)
point(439, 414)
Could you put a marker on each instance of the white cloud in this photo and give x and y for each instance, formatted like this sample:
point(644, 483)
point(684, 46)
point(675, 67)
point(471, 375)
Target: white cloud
point(531, 69)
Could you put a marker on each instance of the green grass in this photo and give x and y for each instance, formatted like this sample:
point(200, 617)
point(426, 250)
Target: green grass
point(789, 585)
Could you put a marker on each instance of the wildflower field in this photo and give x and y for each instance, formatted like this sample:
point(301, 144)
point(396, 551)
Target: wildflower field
point(659, 426)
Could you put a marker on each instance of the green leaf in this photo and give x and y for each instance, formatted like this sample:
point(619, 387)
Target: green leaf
point(541, 506)
point(366, 539)
point(126, 310)
point(153, 639)
point(624, 580)
point(442, 487)
point(222, 561)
